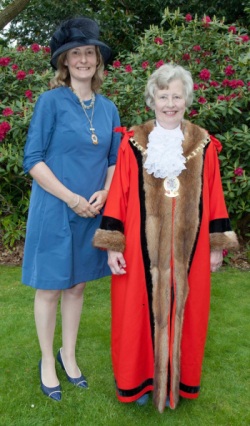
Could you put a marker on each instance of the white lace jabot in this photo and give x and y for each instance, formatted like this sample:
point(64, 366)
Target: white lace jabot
point(164, 152)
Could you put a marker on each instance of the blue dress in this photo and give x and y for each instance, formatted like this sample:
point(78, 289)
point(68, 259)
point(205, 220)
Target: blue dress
point(58, 249)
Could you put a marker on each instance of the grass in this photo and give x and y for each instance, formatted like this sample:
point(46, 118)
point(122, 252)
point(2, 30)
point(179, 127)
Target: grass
point(224, 397)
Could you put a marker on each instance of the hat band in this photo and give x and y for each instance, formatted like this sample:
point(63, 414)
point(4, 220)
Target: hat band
point(75, 34)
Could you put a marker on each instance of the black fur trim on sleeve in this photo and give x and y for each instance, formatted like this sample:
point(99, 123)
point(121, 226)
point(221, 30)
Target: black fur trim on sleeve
point(110, 224)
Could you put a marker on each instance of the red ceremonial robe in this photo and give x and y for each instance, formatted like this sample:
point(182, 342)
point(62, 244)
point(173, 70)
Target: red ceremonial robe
point(160, 307)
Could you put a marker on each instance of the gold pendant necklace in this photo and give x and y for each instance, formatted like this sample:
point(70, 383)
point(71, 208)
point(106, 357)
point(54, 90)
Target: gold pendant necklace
point(85, 107)
point(92, 129)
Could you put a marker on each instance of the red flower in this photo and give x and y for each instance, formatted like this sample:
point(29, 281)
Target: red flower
point(197, 60)
point(202, 86)
point(214, 84)
point(197, 48)
point(221, 98)
point(226, 83)
point(29, 94)
point(35, 47)
point(229, 70)
point(236, 83)
point(31, 71)
point(20, 75)
point(4, 62)
point(5, 126)
point(186, 57)
point(188, 17)
point(105, 72)
point(145, 64)
point(128, 68)
point(232, 29)
point(205, 74)
point(196, 86)
point(14, 67)
point(116, 64)
point(20, 48)
point(224, 252)
point(4, 129)
point(244, 38)
point(206, 21)
point(158, 40)
point(238, 172)
point(159, 63)
point(202, 100)
point(46, 49)
point(7, 111)
point(193, 112)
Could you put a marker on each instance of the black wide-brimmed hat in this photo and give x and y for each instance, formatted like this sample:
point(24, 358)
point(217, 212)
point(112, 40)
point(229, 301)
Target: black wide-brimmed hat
point(77, 32)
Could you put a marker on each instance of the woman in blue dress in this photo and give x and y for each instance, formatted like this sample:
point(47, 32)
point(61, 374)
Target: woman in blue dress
point(70, 153)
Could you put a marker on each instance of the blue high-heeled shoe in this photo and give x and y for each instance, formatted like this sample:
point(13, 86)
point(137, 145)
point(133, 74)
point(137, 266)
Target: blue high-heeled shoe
point(53, 393)
point(81, 381)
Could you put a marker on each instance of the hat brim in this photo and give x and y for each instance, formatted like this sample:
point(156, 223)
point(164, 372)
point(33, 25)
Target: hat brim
point(105, 50)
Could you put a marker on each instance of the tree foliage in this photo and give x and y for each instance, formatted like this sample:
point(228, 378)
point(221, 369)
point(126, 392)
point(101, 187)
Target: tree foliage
point(120, 20)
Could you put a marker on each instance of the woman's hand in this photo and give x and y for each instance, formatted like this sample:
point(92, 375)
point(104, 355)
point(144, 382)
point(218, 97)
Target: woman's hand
point(116, 262)
point(98, 199)
point(92, 207)
point(85, 209)
point(216, 259)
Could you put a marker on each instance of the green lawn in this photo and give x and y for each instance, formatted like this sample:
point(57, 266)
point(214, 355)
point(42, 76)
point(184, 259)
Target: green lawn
point(224, 398)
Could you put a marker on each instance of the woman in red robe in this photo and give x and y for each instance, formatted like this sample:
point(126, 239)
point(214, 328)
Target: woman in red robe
point(165, 225)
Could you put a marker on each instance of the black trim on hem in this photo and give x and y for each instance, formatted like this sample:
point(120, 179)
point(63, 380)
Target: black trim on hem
point(110, 224)
point(134, 391)
point(219, 225)
point(189, 389)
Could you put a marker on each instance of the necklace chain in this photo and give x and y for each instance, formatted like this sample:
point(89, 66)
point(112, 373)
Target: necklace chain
point(92, 129)
point(171, 185)
point(90, 120)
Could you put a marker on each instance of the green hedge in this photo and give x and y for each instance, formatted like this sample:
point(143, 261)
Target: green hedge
point(217, 56)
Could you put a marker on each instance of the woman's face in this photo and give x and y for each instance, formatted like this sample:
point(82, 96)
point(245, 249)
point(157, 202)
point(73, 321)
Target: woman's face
point(170, 105)
point(81, 62)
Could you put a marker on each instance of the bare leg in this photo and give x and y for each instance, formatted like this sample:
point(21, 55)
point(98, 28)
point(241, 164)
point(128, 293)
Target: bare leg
point(45, 318)
point(71, 308)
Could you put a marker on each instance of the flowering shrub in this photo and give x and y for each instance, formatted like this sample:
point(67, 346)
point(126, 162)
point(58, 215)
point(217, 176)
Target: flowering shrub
point(23, 75)
point(217, 56)
point(215, 53)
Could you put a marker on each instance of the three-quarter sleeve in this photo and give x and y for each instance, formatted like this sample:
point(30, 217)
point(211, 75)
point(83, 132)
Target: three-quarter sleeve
point(39, 133)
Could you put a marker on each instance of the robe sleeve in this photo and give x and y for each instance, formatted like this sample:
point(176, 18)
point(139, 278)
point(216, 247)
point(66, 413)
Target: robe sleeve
point(110, 235)
point(221, 234)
